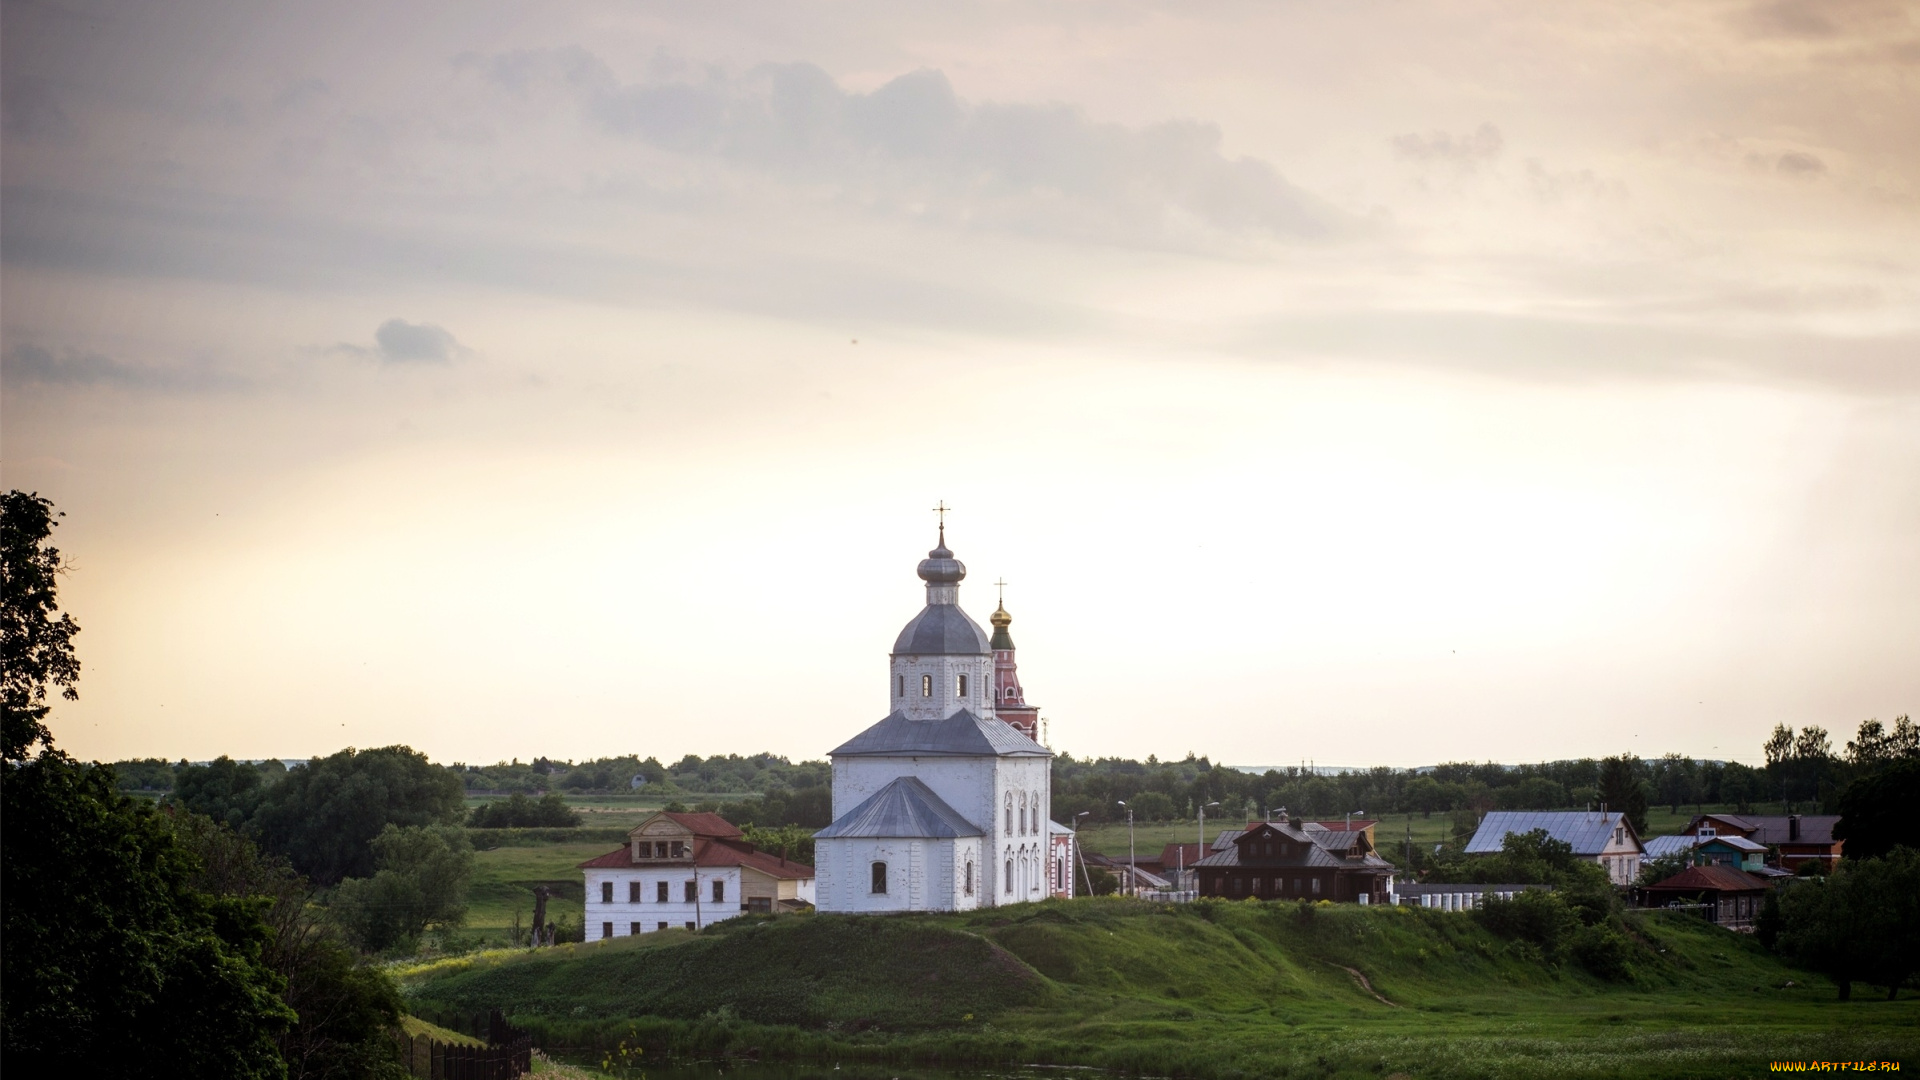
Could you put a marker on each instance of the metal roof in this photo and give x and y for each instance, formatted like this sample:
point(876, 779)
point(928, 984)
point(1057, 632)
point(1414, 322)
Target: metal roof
point(1433, 888)
point(1658, 847)
point(905, 808)
point(964, 734)
point(1776, 828)
point(1588, 831)
point(941, 630)
point(1708, 879)
point(1672, 845)
point(1318, 848)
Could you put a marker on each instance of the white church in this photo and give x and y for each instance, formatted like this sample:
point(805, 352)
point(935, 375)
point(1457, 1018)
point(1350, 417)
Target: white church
point(943, 805)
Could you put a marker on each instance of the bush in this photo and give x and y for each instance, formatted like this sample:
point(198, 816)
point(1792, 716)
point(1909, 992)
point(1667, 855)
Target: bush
point(1534, 915)
point(520, 812)
point(422, 879)
point(1603, 951)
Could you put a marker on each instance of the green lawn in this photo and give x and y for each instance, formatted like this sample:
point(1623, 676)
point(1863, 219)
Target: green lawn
point(503, 881)
point(1210, 990)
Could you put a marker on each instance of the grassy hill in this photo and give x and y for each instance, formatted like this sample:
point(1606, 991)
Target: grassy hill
point(1213, 989)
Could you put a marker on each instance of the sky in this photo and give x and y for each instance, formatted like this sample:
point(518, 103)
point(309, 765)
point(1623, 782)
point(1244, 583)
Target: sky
point(1362, 382)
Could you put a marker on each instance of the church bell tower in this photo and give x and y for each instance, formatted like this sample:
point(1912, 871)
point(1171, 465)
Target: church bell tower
point(1009, 700)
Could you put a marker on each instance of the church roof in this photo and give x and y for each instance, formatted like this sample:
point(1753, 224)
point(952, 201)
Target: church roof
point(941, 630)
point(961, 735)
point(905, 808)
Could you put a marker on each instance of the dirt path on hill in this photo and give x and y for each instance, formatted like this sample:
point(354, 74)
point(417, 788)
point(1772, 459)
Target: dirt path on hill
point(1364, 984)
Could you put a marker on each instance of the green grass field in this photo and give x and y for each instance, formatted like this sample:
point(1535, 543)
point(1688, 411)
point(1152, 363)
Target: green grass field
point(503, 881)
point(1213, 989)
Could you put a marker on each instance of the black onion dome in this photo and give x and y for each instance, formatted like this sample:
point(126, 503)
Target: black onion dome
point(940, 567)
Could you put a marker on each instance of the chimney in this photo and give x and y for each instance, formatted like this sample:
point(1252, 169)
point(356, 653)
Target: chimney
point(1793, 827)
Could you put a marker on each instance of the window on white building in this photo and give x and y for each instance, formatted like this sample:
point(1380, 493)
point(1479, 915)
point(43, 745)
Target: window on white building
point(719, 892)
point(660, 896)
point(633, 894)
point(633, 929)
point(926, 686)
point(903, 687)
point(1009, 877)
point(661, 926)
point(606, 930)
point(879, 877)
point(1009, 813)
point(693, 892)
point(606, 893)
point(959, 686)
point(968, 888)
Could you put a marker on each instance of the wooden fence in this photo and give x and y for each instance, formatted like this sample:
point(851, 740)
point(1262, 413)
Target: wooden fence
point(508, 1053)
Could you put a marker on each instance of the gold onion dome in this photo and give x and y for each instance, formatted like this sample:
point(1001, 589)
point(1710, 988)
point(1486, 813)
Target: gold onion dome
point(1000, 619)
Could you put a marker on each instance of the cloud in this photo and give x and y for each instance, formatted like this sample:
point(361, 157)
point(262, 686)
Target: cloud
point(1462, 151)
point(36, 364)
point(402, 342)
point(1799, 163)
point(29, 113)
point(914, 146)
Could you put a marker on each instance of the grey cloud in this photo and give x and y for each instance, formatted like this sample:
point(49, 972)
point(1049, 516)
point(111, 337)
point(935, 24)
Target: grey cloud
point(30, 113)
point(402, 342)
point(1799, 163)
point(914, 143)
point(300, 92)
point(1465, 151)
point(38, 365)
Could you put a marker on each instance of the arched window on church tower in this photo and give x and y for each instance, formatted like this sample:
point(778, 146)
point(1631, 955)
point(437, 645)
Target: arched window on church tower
point(968, 887)
point(926, 686)
point(1009, 813)
point(1009, 877)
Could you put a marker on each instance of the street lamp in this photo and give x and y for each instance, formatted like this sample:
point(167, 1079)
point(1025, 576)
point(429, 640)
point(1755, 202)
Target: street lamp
point(1203, 842)
point(1133, 871)
point(1082, 852)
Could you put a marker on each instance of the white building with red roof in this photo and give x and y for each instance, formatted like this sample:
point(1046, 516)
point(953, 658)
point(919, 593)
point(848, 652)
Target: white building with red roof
point(688, 871)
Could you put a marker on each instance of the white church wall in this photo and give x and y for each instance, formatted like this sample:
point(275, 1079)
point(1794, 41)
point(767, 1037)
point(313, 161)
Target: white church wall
point(909, 677)
point(920, 874)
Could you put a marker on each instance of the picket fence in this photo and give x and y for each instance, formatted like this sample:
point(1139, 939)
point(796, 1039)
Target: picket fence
point(508, 1053)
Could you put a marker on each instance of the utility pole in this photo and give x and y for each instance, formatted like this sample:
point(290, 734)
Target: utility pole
point(1133, 871)
point(1082, 852)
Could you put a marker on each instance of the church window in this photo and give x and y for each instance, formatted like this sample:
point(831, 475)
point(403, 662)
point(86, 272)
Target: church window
point(879, 877)
point(633, 892)
point(926, 686)
point(1009, 877)
point(693, 892)
point(719, 892)
point(1009, 693)
point(959, 686)
point(968, 887)
point(660, 896)
point(1009, 813)
point(903, 686)
point(606, 893)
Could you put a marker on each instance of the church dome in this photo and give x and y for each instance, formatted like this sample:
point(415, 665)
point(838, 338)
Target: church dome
point(941, 630)
point(940, 567)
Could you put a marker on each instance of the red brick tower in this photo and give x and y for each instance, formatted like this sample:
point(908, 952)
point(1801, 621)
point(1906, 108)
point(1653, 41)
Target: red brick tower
point(1009, 702)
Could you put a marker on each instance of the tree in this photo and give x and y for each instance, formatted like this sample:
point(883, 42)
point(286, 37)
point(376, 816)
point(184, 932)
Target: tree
point(421, 880)
point(520, 812)
point(325, 815)
point(1879, 811)
point(223, 789)
point(1859, 924)
point(346, 1010)
point(36, 638)
point(1621, 790)
point(114, 964)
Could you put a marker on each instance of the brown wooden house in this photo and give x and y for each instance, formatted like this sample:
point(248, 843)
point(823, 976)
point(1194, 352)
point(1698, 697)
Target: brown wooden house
point(1282, 860)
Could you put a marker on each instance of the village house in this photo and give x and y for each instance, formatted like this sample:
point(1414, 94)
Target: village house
point(1796, 839)
point(1603, 837)
point(1737, 852)
point(691, 871)
point(1283, 860)
point(1729, 897)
